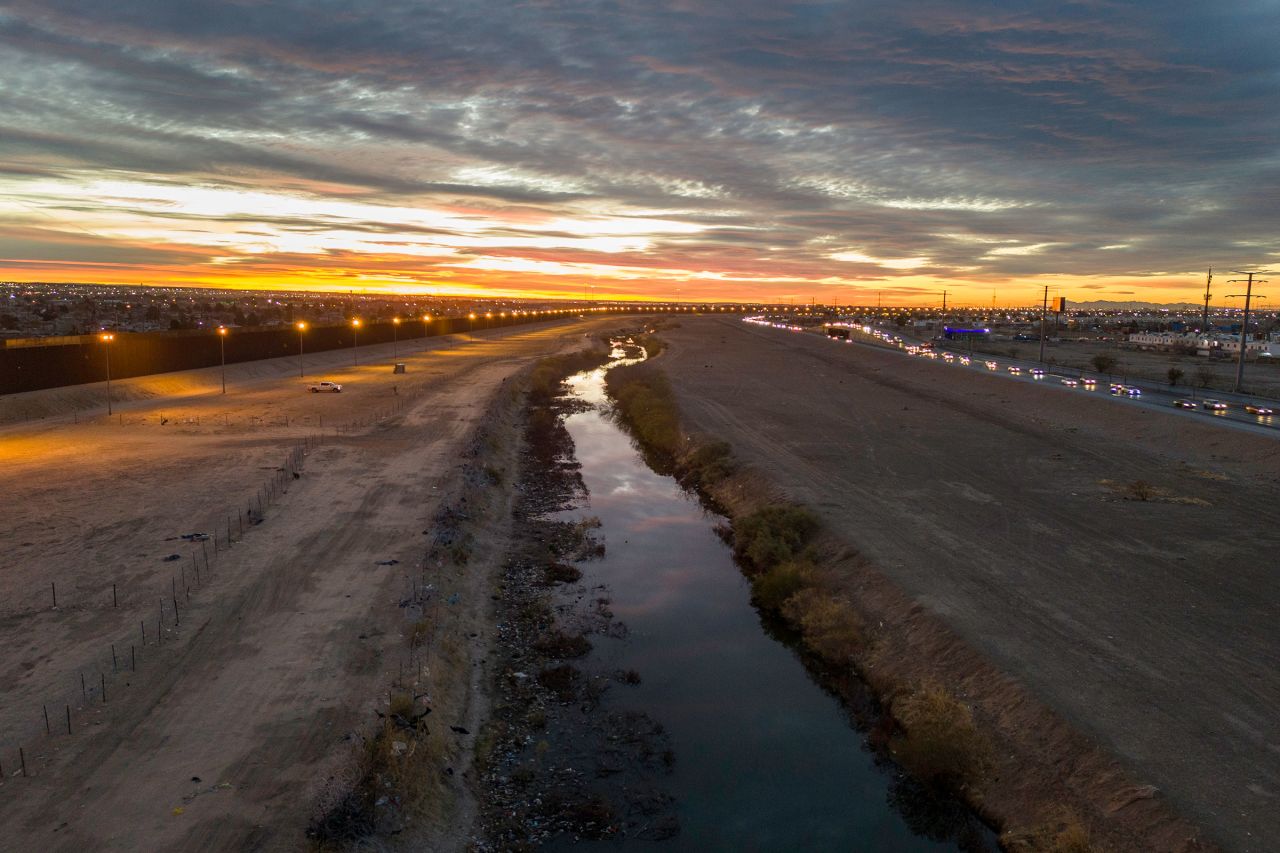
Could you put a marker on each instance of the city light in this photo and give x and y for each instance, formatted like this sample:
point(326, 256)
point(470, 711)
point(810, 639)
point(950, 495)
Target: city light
point(222, 347)
point(107, 338)
point(302, 327)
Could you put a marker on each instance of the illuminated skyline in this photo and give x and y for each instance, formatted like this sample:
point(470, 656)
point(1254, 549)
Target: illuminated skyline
point(686, 149)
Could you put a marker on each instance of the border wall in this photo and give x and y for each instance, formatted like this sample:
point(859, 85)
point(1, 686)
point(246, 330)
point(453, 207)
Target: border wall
point(31, 364)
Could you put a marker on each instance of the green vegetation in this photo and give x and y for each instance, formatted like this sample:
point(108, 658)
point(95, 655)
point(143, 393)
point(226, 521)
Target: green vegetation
point(708, 464)
point(772, 589)
point(940, 744)
point(1174, 374)
point(647, 408)
point(652, 345)
point(549, 373)
point(772, 535)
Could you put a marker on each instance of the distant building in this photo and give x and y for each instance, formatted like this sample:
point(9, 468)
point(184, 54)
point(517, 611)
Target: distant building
point(1253, 347)
point(1165, 341)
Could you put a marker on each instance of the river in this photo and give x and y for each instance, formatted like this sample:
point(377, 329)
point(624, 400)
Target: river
point(767, 759)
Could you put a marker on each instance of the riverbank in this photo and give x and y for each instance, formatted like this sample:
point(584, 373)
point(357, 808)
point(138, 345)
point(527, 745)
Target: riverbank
point(237, 724)
point(1140, 623)
point(642, 701)
point(958, 720)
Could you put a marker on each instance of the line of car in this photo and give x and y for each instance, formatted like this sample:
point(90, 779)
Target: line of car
point(1116, 389)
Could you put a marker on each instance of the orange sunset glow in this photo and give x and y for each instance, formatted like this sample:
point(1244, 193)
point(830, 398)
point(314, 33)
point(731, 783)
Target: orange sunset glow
point(812, 163)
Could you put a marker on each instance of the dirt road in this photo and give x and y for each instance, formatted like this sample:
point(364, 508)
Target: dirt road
point(1151, 625)
point(243, 702)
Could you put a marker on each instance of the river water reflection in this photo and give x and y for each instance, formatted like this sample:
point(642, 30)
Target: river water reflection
point(766, 759)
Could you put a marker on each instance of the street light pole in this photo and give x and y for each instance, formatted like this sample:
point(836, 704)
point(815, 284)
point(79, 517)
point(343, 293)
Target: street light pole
point(222, 345)
point(395, 334)
point(302, 327)
point(1044, 308)
point(355, 341)
point(107, 339)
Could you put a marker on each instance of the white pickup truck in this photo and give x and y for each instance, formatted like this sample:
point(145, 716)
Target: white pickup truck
point(326, 385)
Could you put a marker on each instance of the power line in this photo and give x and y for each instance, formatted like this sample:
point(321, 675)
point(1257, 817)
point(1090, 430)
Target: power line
point(1204, 326)
point(1244, 325)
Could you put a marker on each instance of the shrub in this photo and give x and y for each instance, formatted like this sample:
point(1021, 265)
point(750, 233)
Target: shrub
point(772, 589)
point(652, 345)
point(709, 463)
point(772, 535)
point(1103, 363)
point(549, 373)
point(647, 407)
point(830, 626)
point(1140, 490)
point(940, 744)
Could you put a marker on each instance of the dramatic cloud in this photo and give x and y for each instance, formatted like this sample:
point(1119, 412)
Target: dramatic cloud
point(702, 148)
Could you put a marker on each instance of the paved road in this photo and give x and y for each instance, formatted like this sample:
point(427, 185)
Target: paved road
point(1153, 395)
point(1151, 626)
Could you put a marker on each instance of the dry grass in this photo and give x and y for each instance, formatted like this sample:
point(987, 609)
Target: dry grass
point(398, 758)
point(647, 408)
point(1142, 491)
point(940, 744)
point(1066, 833)
point(830, 625)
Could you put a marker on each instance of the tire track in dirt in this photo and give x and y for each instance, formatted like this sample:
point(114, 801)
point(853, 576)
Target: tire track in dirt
point(1140, 622)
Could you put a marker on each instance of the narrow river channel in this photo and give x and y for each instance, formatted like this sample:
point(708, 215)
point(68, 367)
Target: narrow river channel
point(766, 758)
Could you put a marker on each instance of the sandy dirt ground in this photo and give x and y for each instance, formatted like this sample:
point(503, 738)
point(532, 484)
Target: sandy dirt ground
point(1150, 625)
point(239, 711)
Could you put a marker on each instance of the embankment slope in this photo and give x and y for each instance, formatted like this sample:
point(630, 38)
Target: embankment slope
point(1150, 626)
point(225, 736)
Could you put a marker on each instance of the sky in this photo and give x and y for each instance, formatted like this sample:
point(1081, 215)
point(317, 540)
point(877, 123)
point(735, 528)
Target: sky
point(764, 150)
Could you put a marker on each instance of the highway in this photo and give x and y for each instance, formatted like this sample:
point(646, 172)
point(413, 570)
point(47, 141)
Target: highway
point(1153, 396)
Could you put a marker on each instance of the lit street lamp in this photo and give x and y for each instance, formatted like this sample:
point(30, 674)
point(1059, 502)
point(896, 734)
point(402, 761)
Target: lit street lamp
point(302, 327)
point(426, 321)
point(395, 334)
point(107, 338)
point(355, 340)
point(222, 345)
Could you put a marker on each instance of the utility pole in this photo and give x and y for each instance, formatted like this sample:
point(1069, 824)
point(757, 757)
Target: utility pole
point(1044, 309)
point(1244, 325)
point(1204, 324)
